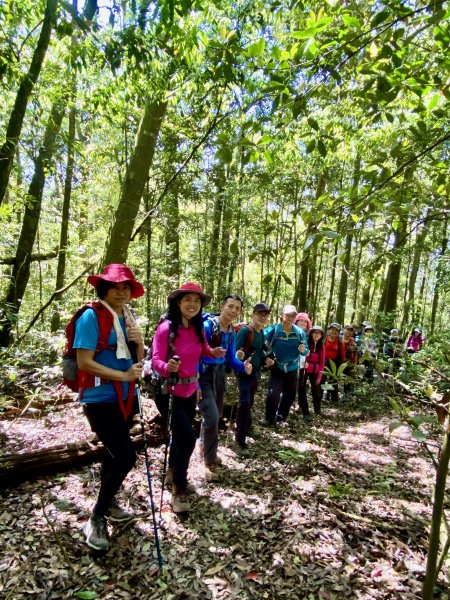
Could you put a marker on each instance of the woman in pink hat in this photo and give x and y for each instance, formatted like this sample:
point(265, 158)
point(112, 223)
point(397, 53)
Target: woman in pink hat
point(181, 335)
point(303, 321)
point(106, 377)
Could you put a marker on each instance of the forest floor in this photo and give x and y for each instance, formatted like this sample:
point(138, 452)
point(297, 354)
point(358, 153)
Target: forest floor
point(335, 509)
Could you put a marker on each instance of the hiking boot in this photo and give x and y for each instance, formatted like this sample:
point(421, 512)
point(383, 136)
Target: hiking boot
point(211, 473)
point(240, 449)
point(117, 514)
point(190, 487)
point(307, 418)
point(96, 533)
point(268, 423)
point(180, 500)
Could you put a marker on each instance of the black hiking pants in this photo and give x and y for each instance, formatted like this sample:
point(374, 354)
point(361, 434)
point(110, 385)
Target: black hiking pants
point(106, 420)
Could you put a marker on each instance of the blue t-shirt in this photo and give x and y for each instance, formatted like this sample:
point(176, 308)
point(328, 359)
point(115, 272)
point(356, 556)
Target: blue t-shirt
point(285, 346)
point(86, 338)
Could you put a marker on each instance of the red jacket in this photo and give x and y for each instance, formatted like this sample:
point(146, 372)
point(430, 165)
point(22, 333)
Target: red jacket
point(335, 351)
point(350, 355)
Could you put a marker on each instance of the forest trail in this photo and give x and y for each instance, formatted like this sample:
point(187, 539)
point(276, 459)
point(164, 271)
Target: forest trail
point(331, 510)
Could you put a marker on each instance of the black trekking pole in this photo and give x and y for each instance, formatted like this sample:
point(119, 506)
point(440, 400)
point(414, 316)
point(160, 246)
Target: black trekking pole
point(171, 381)
point(147, 463)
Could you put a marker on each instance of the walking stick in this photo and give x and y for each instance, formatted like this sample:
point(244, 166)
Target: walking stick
point(171, 381)
point(147, 463)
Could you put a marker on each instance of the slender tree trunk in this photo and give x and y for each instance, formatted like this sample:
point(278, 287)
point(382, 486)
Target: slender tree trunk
point(302, 287)
point(212, 274)
point(134, 184)
point(439, 276)
point(224, 259)
point(331, 314)
point(436, 518)
point(30, 224)
point(393, 276)
point(343, 283)
point(410, 304)
point(15, 123)
point(172, 214)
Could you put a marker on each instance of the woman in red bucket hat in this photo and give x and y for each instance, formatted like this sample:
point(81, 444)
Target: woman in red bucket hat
point(107, 372)
point(178, 345)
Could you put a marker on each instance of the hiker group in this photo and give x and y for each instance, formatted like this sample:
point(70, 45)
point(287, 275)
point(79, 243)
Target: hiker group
point(186, 368)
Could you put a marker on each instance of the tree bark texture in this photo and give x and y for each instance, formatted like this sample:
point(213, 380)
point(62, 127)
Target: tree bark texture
point(134, 183)
point(21, 269)
point(15, 123)
point(436, 518)
point(440, 271)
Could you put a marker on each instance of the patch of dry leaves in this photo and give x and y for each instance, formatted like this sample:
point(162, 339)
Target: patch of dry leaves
point(337, 509)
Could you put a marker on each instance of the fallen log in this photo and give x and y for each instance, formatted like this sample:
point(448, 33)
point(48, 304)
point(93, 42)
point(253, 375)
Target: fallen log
point(16, 468)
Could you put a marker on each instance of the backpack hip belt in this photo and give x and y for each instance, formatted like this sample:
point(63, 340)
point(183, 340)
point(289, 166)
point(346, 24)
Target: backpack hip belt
point(283, 366)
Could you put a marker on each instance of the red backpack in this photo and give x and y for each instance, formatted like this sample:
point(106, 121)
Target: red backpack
point(72, 376)
point(250, 337)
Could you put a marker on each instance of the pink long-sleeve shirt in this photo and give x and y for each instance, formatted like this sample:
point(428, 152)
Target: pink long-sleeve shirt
point(316, 361)
point(187, 347)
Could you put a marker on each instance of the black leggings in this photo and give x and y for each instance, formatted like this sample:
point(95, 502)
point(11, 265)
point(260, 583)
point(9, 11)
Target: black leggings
point(106, 420)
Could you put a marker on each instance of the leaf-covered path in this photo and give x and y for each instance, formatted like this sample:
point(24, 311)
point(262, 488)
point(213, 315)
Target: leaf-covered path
point(336, 509)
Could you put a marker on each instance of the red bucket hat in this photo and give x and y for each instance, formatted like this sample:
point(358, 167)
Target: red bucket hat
point(190, 287)
point(118, 273)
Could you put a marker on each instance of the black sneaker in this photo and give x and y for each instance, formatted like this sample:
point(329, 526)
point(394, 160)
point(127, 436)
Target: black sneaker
point(117, 514)
point(96, 533)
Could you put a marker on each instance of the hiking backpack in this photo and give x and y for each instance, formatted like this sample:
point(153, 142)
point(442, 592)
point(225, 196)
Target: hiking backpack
point(250, 337)
point(72, 377)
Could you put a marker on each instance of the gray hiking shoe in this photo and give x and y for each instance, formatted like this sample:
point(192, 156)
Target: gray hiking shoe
point(96, 533)
point(180, 500)
point(117, 514)
point(211, 473)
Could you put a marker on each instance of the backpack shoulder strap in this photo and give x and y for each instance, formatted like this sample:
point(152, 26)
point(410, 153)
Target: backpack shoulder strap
point(105, 322)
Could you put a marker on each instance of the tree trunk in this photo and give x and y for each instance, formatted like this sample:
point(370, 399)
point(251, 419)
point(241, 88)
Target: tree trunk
point(172, 214)
point(440, 271)
point(16, 468)
point(436, 518)
point(393, 276)
point(65, 216)
point(343, 283)
point(30, 224)
point(14, 127)
point(224, 263)
point(134, 184)
point(212, 274)
point(410, 304)
point(302, 292)
point(330, 314)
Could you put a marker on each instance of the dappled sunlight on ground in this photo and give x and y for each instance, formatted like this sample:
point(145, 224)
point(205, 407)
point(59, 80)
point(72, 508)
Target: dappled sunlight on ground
point(331, 510)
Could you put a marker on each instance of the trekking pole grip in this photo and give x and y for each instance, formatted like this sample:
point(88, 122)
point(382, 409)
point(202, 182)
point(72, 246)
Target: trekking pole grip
point(174, 376)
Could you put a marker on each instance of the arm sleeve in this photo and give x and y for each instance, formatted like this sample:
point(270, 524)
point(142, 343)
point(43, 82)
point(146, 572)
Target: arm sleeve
point(160, 349)
point(86, 331)
point(206, 350)
point(230, 356)
point(321, 364)
point(304, 341)
point(242, 337)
